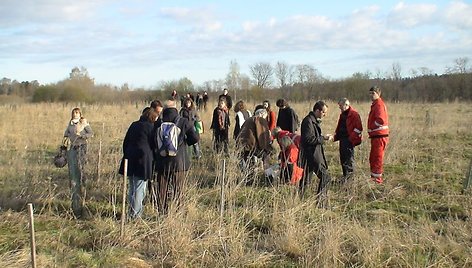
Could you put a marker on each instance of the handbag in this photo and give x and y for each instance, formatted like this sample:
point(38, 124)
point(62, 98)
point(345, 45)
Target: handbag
point(60, 160)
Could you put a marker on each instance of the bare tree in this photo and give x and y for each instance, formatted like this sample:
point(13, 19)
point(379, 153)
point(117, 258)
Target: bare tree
point(425, 71)
point(262, 73)
point(233, 78)
point(307, 74)
point(282, 72)
point(461, 66)
point(79, 73)
point(184, 85)
point(396, 71)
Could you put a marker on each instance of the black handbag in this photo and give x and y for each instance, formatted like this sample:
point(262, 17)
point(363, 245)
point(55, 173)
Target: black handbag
point(60, 160)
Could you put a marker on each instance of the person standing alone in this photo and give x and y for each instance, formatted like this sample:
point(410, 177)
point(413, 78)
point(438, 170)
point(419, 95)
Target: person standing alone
point(349, 134)
point(77, 132)
point(378, 130)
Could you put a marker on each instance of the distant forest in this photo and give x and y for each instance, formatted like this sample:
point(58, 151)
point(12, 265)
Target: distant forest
point(295, 83)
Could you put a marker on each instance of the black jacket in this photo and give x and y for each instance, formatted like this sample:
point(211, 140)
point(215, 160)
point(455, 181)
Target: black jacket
point(137, 148)
point(188, 136)
point(287, 119)
point(312, 156)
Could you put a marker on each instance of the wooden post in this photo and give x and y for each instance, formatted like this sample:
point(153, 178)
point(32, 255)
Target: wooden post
point(468, 177)
point(32, 241)
point(99, 164)
point(99, 160)
point(123, 207)
point(222, 201)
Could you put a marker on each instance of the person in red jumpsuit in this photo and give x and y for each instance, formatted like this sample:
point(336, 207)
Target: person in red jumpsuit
point(377, 128)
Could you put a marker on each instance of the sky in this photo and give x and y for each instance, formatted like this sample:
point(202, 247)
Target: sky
point(143, 42)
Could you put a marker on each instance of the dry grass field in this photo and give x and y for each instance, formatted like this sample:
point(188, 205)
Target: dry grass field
point(419, 217)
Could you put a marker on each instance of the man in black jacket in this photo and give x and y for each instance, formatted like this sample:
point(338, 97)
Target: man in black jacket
point(171, 169)
point(312, 156)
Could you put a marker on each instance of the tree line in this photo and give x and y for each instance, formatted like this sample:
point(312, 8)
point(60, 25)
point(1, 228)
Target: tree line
point(295, 83)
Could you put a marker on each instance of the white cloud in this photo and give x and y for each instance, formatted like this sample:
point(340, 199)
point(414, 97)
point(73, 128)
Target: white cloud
point(459, 15)
point(89, 33)
point(412, 15)
point(47, 11)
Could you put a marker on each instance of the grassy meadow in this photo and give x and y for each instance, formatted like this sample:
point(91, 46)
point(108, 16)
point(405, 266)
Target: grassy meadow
point(420, 216)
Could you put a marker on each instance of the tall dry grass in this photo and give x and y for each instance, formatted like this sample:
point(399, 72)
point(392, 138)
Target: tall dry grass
point(418, 218)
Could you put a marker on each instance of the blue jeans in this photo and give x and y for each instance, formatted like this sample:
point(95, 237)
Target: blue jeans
point(136, 194)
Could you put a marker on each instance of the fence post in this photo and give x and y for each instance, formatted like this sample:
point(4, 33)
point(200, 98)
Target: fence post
point(99, 160)
point(222, 201)
point(123, 207)
point(32, 241)
point(468, 178)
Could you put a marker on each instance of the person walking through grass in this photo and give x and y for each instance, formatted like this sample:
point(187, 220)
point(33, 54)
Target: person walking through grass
point(312, 156)
point(77, 132)
point(138, 149)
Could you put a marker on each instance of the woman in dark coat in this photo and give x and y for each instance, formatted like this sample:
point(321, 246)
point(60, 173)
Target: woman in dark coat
point(171, 169)
point(190, 112)
point(137, 148)
point(287, 118)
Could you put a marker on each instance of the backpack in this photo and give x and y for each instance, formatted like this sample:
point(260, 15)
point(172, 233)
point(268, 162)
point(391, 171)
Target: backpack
point(167, 137)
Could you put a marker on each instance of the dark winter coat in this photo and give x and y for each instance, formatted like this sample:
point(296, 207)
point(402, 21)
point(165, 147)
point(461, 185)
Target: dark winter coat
point(312, 156)
point(137, 148)
point(220, 123)
point(287, 119)
point(188, 136)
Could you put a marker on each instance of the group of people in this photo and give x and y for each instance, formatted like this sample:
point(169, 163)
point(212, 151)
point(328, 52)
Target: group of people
point(156, 149)
point(156, 145)
point(200, 100)
point(302, 152)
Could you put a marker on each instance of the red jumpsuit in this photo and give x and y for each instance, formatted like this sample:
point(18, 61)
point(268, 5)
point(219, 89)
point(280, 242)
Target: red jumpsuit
point(378, 130)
